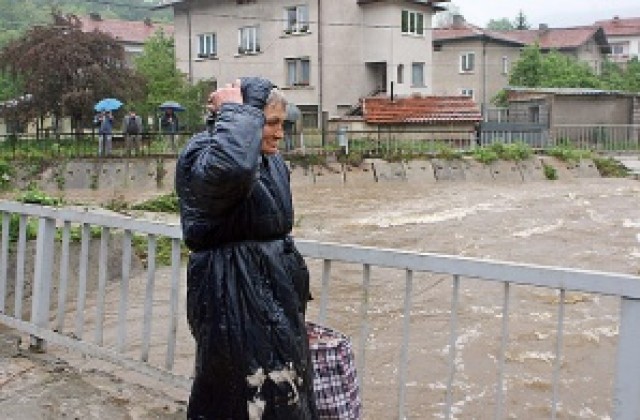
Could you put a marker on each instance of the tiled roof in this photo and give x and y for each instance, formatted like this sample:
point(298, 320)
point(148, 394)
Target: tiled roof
point(420, 110)
point(620, 26)
point(554, 38)
point(551, 38)
point(136, 32)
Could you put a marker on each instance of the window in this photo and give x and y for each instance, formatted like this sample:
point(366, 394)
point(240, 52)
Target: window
point(467, 92)
point(298, 71)
point(248, 42)
point(417, 74)
point(617, 49)
point(505, 65)
point(245, 1)
point(400, 76)
point(296, 19)
point(467, 62)
point(534, 114)
point(309, 116)
point(207, 45)
point(412, 23)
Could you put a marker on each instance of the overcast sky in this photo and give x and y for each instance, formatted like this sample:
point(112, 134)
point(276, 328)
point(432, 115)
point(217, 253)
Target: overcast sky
point(555, 13)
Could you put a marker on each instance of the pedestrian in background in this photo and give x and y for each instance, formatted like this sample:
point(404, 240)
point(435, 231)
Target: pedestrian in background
point(132, 129)
point(104, 121)
point(170, 125)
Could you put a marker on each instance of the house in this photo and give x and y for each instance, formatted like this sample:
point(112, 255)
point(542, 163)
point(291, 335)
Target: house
point(131, 34)
point(472, 61)
point(325, 54)
point(450, 119)
point(624, 37)
point(577, 114)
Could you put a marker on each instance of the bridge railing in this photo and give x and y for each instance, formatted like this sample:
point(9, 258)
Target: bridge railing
point(92, 283)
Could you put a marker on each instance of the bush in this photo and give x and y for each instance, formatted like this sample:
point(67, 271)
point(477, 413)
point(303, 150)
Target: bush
point(168, 203)
point(610, 168)
point(568, 154)
point(550, 172)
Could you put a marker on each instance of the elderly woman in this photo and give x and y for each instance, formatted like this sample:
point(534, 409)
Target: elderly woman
point(247, 284)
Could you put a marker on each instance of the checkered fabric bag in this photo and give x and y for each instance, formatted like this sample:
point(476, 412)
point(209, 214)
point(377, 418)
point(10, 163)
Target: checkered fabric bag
point(335, 381)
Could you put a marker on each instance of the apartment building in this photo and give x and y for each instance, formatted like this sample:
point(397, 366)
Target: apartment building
point(326, 55)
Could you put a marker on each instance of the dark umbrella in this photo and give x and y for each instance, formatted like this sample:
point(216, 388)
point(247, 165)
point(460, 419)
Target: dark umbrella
point(293, 113)
point(171, 105)
point(107, 104)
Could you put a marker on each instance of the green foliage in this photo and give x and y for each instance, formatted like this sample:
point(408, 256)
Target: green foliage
point(166, 82)
point(446, 152)
point(513, 151)
point(163, 249)
point(616, 77)
point(484, 155)
point(567, 153)
point(86, 67)
point(168, 203)
point(550, 172)
point(521, 23)
point(36, 196)
point(610, 168)
point(502, 24)
point(7, 173)
point(554, 69)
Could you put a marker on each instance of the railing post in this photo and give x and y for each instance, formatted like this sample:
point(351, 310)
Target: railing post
point(626, 394)
point(42, 279)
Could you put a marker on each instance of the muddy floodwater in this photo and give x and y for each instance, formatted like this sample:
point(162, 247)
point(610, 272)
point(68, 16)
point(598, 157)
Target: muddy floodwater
point(591, 224)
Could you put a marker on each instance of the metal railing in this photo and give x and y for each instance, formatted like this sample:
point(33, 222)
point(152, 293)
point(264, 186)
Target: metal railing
point(609, 137)
point(363, 291)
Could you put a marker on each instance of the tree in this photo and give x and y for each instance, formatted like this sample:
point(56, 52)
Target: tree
point(626, 78)
point(165, 82)
point(67, 71)
point(554, 69)
point(521, 23)
point(527, 71)
point(502, 24)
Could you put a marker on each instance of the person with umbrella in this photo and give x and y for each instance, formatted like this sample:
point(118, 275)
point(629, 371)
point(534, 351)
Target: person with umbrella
point(169, 121)
point(104, 122)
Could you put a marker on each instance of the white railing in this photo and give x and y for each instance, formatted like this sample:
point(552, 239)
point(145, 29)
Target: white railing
point(379, 297)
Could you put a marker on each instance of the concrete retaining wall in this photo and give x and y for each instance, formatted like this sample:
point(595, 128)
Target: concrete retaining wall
point(158, 174)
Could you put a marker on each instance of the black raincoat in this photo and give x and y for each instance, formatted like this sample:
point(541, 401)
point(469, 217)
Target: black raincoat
point(247, 284)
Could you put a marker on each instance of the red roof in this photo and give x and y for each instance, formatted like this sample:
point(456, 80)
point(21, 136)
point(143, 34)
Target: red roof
point(620, 26)
point(125, 30)
point(423, 109)
point(550, 38)
point(554, 38)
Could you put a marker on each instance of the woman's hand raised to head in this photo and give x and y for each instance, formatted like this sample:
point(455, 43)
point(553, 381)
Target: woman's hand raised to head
point(230, 93)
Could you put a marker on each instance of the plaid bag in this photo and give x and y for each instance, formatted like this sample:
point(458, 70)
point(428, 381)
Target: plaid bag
point(335, 381)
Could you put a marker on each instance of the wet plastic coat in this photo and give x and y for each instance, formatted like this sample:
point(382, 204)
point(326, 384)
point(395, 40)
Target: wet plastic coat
point(247, 283)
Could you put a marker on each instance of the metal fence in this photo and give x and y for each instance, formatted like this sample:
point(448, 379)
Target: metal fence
point(368, 142)
point(408, 339)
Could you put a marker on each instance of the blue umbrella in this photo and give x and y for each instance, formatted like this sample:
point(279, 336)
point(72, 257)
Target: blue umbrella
point(171, 105)
point(107, 104)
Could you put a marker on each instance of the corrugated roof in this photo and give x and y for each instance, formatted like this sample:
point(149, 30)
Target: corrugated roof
point(136, 32)
point(620, 26)
point(420, 110)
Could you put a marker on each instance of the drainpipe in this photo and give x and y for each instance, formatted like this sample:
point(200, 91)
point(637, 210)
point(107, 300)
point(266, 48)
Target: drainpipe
point(484, 75)
point(320, 84)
